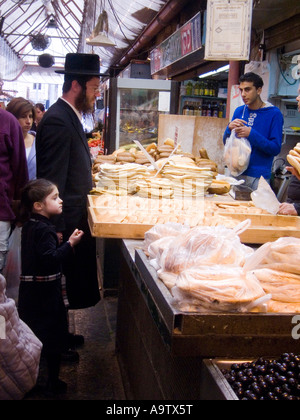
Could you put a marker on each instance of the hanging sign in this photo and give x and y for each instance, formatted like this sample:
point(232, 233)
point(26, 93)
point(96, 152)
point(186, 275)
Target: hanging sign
point(228, 30)
point(180, 44)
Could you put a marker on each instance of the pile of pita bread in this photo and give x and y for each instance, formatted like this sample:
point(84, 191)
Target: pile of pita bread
point(188, 179)
point(119, 179)
point(181, 175)
point(155, 188)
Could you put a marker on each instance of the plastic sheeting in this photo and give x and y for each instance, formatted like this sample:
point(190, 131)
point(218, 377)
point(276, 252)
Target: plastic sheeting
point(10, 65)
point(75, 20)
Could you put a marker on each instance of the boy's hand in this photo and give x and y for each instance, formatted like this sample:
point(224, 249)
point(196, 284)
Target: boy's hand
point(237, 123)
point(243, 131)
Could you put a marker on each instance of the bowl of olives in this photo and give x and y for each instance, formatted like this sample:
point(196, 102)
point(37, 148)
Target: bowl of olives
point(266, 379)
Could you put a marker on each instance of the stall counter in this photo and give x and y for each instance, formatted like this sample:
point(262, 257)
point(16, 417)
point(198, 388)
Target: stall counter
point(161, 350)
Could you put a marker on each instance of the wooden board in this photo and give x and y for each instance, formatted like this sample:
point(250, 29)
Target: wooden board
point(183, 125)
point(208, 134)
point(268, 220)
point(267, 228)
point(114, 230)
point(194, 133)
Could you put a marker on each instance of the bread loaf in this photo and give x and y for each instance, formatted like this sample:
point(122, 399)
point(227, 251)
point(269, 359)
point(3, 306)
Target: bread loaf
point(294, 157)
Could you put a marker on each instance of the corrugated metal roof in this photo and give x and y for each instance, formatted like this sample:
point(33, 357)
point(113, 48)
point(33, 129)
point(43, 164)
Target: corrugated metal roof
point(65, 24)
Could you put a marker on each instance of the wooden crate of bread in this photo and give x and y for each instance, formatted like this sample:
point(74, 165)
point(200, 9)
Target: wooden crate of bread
point(130, 218)
point(267, 228)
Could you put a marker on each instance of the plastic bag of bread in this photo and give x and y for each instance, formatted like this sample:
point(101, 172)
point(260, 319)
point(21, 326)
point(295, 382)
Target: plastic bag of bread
point(276, 266)
point(284, 287)
point(218, 288)
point(160, 231)
point(205, 245)
point(156, 249)
point(237, 154)
point(282, 255)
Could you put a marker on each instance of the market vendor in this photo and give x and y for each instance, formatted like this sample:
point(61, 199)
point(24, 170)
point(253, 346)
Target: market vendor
point(261, 123)
point(292, 205)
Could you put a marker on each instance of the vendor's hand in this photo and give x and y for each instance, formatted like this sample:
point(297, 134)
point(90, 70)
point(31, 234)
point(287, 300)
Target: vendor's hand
point(76, 236)
point(293, 171)
point(237, 123)
point(287, 209)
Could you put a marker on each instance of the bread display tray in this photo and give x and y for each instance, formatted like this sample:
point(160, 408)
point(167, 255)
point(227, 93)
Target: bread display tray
point(264, 227)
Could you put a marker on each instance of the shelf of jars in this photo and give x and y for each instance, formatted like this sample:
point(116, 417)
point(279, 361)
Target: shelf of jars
point(203, 98)
point(203, 106)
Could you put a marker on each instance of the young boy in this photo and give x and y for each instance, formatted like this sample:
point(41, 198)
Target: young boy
point(261, 123)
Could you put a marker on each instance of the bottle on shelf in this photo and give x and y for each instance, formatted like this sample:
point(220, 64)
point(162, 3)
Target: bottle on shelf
point(208, 113)
point(189, 88)
point(206, 88)
point(215, 110)
point(185, 109)
point(197, 89)
point(222, 110)
point(198, 109)
point(204, 109)
point(191, 109)
point(201, 93)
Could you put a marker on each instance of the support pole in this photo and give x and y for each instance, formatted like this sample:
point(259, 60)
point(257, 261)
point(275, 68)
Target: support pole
point(233, 79)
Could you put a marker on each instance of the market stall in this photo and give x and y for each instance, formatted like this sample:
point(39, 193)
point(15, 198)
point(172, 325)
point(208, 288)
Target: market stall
point(166, 345)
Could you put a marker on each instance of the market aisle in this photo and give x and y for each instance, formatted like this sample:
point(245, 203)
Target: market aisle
point(96, 376)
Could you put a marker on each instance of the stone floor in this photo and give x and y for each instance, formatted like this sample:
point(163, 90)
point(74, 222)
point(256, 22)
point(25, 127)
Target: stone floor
point(96, 376)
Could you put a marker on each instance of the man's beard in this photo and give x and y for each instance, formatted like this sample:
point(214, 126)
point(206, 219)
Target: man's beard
point(82, 105)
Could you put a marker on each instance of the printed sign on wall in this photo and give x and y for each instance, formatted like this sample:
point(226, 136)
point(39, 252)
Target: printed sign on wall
point(228, 30)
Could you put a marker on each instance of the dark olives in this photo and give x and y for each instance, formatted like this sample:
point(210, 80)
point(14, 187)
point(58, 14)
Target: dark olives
point(263, 379)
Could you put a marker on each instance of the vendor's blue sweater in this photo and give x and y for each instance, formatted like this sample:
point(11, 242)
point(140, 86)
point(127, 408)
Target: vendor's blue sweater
point(265, 137)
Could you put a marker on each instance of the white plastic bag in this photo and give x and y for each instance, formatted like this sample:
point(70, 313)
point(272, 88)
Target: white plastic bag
point(12, 269)
point(205, 245)
point(237, 154)
point(160, 231)
point(217, 288)
point(265, 198)
point(282, 255)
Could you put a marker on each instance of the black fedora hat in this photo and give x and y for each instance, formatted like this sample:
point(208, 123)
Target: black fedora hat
point(81, 64)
